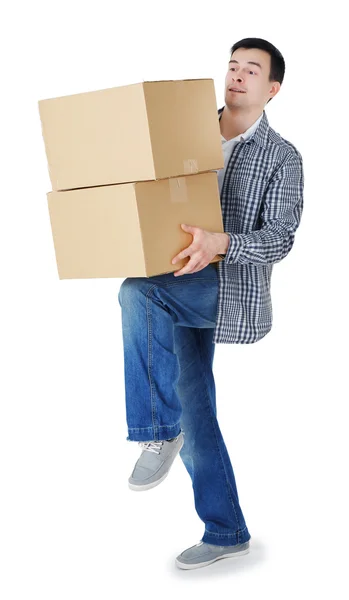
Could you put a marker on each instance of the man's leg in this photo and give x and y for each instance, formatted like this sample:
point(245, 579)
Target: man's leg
point(151, 309)
point(204, 453)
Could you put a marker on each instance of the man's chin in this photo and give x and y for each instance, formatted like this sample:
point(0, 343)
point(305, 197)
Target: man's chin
point(232, 103)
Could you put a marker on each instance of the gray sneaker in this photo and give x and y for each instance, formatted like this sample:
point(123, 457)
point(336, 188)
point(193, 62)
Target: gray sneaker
point(203, 554)
point(154, 463)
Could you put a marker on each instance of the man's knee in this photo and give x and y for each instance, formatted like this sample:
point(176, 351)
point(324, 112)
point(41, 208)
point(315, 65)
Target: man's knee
point(123, 290)
point(128, 288)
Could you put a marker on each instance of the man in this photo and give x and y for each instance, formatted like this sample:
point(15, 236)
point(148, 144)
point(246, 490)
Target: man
point(171, 322)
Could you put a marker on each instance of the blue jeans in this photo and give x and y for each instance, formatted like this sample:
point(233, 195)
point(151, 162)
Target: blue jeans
point(167, 325)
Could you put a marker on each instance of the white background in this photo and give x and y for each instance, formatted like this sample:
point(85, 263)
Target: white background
point(70, 527)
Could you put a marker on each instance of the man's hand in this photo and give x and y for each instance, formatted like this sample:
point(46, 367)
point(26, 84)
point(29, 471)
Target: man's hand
point(204, 247)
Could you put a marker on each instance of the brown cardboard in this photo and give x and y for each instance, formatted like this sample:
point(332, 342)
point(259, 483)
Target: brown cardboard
point(133, 229)
point(139, 132)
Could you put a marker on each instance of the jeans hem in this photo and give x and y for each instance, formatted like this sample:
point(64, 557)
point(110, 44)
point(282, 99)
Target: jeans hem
point(226, 539)
point(153, 434)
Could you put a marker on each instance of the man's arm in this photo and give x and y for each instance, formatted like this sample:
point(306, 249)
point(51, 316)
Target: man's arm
point(281, 214)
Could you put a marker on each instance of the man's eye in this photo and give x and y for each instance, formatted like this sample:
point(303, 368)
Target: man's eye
point(233, 69)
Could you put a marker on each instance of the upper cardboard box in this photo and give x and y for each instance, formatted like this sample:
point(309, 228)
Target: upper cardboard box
point(139, 132)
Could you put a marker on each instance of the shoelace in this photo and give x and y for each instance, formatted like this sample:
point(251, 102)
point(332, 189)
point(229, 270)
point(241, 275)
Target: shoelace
point(151, 446)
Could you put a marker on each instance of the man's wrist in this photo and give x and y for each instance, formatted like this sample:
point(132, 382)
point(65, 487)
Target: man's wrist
point(224, 244)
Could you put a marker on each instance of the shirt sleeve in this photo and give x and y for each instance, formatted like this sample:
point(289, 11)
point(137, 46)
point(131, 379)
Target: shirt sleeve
point(282, 208)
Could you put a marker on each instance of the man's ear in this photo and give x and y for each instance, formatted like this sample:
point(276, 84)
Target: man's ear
point(275, 88)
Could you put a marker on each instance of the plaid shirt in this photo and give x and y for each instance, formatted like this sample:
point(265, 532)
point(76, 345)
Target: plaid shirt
point(262, 203)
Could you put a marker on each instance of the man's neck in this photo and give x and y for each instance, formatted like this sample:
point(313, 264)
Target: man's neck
point(235, 122)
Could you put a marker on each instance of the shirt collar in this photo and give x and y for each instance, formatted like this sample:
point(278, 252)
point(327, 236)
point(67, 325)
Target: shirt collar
point(258, 132)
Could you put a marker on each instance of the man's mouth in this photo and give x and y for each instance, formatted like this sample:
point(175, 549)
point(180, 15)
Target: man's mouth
point(236, 90)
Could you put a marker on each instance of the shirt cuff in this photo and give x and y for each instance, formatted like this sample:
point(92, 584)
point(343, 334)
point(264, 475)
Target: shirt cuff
point(234, 249)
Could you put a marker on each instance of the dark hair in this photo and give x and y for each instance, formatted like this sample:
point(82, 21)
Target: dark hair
point(277, 62)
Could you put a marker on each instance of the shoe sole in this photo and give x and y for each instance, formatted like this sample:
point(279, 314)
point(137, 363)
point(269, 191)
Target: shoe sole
point(209, 562)
point(148, 486)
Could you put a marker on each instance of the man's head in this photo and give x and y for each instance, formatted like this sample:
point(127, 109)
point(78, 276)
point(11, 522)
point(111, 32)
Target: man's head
point(257, 68)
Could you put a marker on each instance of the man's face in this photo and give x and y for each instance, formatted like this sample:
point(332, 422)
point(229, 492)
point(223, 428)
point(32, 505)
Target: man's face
point(248, 70)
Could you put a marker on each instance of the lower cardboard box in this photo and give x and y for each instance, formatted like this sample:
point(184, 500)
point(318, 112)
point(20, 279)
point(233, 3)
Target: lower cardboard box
point(132, 229)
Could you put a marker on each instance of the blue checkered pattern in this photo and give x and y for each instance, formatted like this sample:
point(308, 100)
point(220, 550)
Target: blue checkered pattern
point(262, 203)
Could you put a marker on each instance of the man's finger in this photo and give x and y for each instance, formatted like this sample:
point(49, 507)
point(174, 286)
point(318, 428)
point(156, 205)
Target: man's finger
point(180, 256)
point(182, 271)
point(189, 268)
